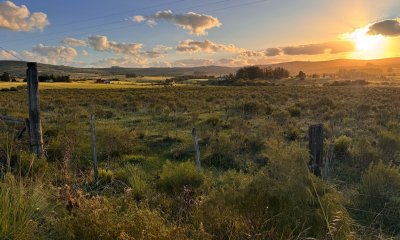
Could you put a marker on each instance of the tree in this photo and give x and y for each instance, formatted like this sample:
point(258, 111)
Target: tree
point(280, 72)
point(251, 73)
point(268, 73)
point(301, 75)
point(5, 77)
point(131, 75)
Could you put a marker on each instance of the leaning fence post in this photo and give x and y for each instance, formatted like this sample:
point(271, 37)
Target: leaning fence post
point(93, 130)
point(35, 125)
point(196, 148)
point(316, 147)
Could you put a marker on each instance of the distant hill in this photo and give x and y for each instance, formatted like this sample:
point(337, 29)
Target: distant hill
point(18, 68)
point(333, 66)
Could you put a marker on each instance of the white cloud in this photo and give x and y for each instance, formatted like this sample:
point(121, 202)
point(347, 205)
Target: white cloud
point(126, 61)
point(85, 53)
point(196, 23)
point(5, 55)
point(191, 46)
point(74, 42)
point(138, 19)
point(161, 64)
point(162, 48)
point(193, 62)
point(55, 54)
point(101, 43)
point(18, 18)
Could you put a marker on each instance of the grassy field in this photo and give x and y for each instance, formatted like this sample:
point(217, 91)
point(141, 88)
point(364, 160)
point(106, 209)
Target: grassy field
point(87, 84)
point(255, 182)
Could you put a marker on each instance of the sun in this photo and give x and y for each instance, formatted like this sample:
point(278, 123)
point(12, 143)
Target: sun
point(367, 46)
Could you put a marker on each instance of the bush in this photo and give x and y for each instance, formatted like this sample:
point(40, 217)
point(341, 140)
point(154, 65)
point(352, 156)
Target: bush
point(342, 144)
point(380, 197)
point(389, 144)
point(105, 176)
point(134, 177)
point(292, 133)
point(28, 165)
point(108, 219)
point(114, 141)
point(175, 176)
point(22, 209)
point(282, 201)
point(281, 116)
point(294, 111)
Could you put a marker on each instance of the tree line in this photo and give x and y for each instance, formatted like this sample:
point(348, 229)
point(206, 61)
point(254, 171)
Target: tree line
point(255, 72)
point(54, 78)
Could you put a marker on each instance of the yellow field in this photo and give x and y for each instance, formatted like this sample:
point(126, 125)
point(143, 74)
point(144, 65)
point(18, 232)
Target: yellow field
point(80, 85)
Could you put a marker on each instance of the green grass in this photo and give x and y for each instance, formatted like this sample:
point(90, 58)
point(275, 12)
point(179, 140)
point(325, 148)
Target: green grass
point(253, 142)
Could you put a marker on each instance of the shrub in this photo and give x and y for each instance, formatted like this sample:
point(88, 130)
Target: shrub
point(114, 141)
point(294, 111)
point(292, 133)
point(105, 176)
point(134, 177)
point(22, 209)
point(342, 144)
point(28, 165)
point(175, 176)
point(389, 144)
point(280, 116)
point(380, 197)
point(109, 219)
point(282, 201)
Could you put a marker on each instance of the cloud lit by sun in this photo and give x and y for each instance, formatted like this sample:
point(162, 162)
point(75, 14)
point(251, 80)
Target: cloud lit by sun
point(368, 46)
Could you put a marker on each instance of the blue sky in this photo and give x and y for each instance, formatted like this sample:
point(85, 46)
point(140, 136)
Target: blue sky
point(244, 30)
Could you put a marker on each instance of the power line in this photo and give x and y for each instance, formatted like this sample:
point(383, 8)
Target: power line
point(11, 53)
point(122, 12)
point(121, 21)
point(103, 24)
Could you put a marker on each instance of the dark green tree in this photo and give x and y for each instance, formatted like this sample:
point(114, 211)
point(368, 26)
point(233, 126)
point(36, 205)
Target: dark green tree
point(301, 75)
point(252, 72)
point(280, 73)
point(5, 77)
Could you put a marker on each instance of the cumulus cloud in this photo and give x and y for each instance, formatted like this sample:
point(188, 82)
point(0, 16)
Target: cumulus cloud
point(162, 48)
point(18, 18)
point(196, 23)
point(5, 55)
point(74, 42)
point(271, 52)
point(320, 48)
point(193, 62)
point(101, 43)
point(191, 46)
point(252, 54)
point(161, 64)
point(125, 61)
point(139, 19)
point(388, 27)
point(55, 53)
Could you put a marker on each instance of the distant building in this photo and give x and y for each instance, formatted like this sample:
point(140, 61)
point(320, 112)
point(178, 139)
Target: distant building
point(103, 81)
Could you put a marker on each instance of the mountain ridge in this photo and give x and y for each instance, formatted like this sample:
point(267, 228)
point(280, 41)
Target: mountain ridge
point(18, 68)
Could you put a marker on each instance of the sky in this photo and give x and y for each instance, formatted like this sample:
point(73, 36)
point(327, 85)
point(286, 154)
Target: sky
point(186, 33)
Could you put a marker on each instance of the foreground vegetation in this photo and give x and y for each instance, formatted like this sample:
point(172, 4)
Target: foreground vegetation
point(255, 182)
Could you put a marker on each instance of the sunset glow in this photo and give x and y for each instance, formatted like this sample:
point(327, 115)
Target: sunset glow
point(367, 46)
point(176, 33)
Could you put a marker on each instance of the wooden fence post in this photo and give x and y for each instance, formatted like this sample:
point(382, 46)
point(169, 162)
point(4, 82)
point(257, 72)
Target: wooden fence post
point(316, 147)
point(196, 148)
point(93, 130)
point(35, 125)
